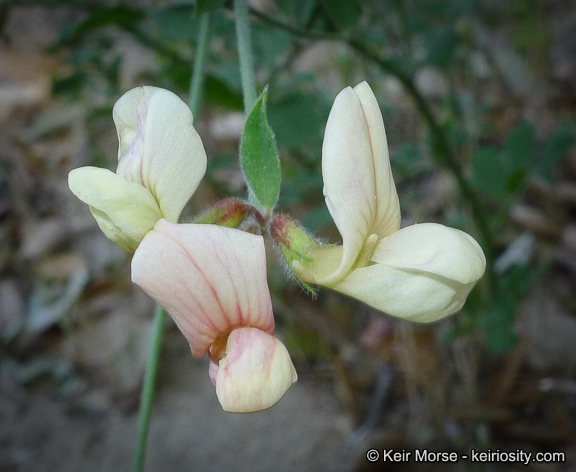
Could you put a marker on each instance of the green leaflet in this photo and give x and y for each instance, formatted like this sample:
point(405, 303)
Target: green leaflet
point(259, 157)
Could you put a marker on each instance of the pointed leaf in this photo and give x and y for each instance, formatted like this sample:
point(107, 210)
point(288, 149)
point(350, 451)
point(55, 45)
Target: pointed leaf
point(554, 150)
point(520, 147)
point(121, 15)
point(259, 157)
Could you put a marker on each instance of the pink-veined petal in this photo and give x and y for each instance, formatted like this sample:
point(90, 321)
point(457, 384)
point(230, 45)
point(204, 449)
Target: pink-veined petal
point(386, 204)
point(159, 147)
point(209, 278)
point(255, 372)
point(358, 185)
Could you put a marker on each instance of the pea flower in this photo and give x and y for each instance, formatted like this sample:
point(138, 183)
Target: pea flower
point(422, 272)
point(161, 160)
point(212, 281)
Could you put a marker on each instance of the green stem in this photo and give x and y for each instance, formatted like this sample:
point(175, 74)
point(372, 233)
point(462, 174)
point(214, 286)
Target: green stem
point(197, 80)
point(245, 54)
point(148, 388)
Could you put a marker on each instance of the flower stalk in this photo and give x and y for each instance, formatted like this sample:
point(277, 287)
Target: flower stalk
point(197, 79)
point(245, 54)
point(147, 395)
point(230, 213)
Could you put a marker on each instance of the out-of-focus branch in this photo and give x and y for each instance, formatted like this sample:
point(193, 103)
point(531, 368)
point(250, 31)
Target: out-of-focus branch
point(197, 80)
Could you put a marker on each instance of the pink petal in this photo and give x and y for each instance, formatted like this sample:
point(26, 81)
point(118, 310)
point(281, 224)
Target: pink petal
point(209, 278)
point(255, 372)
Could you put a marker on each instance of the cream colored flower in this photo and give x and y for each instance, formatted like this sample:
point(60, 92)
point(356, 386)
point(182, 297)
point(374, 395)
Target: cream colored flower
point(161, 161)
point(422, 272)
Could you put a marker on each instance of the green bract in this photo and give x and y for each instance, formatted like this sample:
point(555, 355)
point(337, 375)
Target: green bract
point(259, 157)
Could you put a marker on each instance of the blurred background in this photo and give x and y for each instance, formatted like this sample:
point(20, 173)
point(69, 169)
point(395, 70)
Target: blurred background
point(479, 102)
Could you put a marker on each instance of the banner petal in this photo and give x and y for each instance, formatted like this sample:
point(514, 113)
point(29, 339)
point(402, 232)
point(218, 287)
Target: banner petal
point(358, 185)
point(210, 279)
point(159, 147)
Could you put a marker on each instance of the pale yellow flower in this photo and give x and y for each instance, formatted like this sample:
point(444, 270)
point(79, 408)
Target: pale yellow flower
point(423, 272)
point(161, 161)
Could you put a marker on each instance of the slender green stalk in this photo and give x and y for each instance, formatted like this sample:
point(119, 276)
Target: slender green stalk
point(302, 33)
point(148, 388)
point(245, 54)
point(197, 80)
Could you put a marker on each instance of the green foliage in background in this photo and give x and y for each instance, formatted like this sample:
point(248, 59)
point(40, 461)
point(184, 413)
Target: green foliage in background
point(443, 45)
